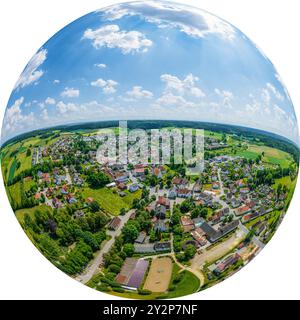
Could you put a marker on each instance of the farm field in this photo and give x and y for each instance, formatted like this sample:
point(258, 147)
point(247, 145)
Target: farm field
point(271, 155)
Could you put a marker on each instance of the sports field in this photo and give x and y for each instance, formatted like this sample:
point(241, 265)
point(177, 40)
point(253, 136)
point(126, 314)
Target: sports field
point(159, 275)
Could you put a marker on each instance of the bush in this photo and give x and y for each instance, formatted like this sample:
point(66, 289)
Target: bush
point(144, 292)
point(118, 289)
point(172, 288)
point(178, 278)
point(114, 268)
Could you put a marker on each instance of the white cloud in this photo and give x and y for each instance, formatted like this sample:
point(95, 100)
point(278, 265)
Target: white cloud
point(56, 81)
point(137, 92)
point(15, 119)
point(50, 101)
point(275, 91)
point(44, 115)
point(192, 21)
point(32, 73)
point(63, 108)
point(100, 65)
point(108, 86)
point(226, 97)
point(169, 99)
point(70, 93)
point(186, 86)
point(111, 36)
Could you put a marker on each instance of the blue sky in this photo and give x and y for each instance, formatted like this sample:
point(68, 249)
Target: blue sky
point(149, 60)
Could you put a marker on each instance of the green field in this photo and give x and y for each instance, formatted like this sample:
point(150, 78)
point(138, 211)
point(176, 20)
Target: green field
point(109, 201)
point(14, 193)
point(30, 211)
point(12, 169)
point(271, 155)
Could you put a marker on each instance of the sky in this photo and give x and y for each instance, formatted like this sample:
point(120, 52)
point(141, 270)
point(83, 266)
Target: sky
point(150, 60)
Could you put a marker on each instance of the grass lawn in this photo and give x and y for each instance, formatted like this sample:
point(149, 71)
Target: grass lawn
point(24, 160)
point(188, 285)
point(14, 193)
point(30, 211)
point(110, 201)
point(12, 169)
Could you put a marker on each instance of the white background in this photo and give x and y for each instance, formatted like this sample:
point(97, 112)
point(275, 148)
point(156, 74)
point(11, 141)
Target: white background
point(26, 25)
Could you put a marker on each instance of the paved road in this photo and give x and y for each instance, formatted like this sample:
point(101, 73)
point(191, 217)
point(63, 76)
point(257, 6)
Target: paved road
point(68, 177)
point(98, 260)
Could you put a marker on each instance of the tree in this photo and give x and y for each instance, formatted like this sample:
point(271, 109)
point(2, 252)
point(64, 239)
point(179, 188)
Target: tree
point(128, 249)
point(122, 211)
point(94, 206)
point(28, 152)
point(204, 213)
point(97, 179)
point(130, 232)
point(189, 252)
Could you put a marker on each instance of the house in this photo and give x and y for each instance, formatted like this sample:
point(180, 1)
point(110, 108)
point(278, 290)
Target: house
point(111, 185)
point(160, 226)
point(141, 237)
point(114, 224)
point(122, 186)
point(240, 183)
point(197, 187)
point(198, 222)
point(37, 196)
point(72, 200)
point(235, 203)
point(79, 213)
point(163, 201)
point(226, 263)
point(172, 194)
point(199, 236)
point(216, 185)
point(134, 187)
point(244, 190)
point(151, 207)
point(157, 172)
point(90, 200)
point(64, 190)
point(242, 210)
point(162, 246)
point(187, 223)
point(161, 212)
point(180, 182)
point(184, 193)
point(56, 203)
point(138, 172)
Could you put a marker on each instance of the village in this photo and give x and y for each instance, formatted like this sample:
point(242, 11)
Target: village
point(203, 224)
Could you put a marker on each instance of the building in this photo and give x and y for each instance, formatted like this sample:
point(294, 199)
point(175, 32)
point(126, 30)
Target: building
point(132, 273)
point(134, 187)
point(114, 223)
point(187, 223)
point(214, 235)
point(163, 201)
point(184, 193)
point(141, 238)
point(242, 210)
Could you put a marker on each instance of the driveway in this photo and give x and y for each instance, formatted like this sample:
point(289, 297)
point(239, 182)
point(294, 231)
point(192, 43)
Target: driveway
point(98, 260)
